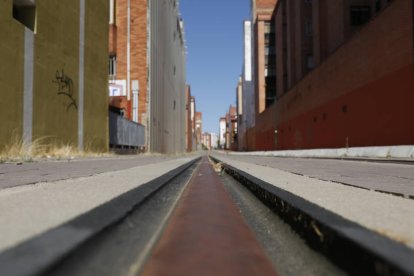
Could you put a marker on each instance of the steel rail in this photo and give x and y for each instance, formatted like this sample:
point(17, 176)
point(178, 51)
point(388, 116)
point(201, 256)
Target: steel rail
point(207, 235)
point(349, 245)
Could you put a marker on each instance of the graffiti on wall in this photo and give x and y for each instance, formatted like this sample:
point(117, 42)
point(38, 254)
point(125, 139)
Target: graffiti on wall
point(65, 88)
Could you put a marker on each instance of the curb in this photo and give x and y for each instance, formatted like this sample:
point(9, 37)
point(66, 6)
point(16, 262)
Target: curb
point(42, 252)
point(352, 247)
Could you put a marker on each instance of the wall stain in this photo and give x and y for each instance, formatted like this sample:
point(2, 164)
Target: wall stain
point(65, 87)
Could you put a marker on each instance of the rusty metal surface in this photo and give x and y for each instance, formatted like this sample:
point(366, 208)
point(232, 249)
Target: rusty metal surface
point(207, 235)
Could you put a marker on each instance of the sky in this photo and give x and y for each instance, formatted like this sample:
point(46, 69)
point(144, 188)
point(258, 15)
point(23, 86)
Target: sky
point(214, 35)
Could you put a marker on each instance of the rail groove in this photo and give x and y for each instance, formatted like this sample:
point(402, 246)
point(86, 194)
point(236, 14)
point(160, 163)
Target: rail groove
point(355, 249)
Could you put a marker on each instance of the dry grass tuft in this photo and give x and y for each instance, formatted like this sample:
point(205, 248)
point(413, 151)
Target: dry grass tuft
point(43, 148)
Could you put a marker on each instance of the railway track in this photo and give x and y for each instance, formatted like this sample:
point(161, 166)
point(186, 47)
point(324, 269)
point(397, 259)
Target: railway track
point(208, 218)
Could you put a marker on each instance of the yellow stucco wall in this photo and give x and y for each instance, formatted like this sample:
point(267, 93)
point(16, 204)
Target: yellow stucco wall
point(11, 75)
point(56, 59)
point(56, 49)
point(96, 75)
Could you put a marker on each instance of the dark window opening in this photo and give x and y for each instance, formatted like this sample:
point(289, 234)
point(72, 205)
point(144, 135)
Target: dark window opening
point(344, 109)
point(25, 14)
point(378, 6)
point(310, 62)
point(112, 66)
point(270, 90)
point(324, 116)
point(360, 15)
point(270, 63)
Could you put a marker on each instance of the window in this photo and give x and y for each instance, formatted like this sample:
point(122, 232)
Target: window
point(308, 29)
point(310, 62)
point(112, 12)
point(360, 15)
point(24, 11)
point(270, 62)
point(112, 67)
point(378, 6)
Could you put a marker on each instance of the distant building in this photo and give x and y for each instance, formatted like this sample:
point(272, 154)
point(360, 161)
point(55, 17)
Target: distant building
point(54, 63)
point(193, 121)
point(206, 140)
point(209, 140)
point(264, 61)
point(231, 129)
point(241, 130)
point(198, 128)
point(222, 133)
point(128, 62)
point(188, 121)
point(246, 135)
point(214, 140)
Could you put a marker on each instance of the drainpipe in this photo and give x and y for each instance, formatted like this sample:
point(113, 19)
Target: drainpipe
point(129, 52)
point(135, 92)
point(149, 82)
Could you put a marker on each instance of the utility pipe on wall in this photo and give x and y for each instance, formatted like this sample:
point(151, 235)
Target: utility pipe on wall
point(129, 51)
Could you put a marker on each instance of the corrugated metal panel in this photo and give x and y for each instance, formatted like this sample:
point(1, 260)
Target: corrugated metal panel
point(123, 132)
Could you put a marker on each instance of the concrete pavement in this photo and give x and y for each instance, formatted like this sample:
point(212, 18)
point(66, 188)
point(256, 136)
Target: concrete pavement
point(385, 177)
point(29, 210)
point(386, 214)
point(26, 173)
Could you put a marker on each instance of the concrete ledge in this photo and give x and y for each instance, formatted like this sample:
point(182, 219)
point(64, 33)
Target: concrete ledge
point(362, 230)
point(386, 152)
point(32, 256)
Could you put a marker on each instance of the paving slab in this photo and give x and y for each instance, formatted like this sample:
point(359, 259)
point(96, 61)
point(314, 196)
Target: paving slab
point(29, 210)
point(386, 177)
point(26, 173)
point(383, 213)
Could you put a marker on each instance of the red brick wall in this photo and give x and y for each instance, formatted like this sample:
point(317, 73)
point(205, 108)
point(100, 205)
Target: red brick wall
point(371, 74)
point(265, 129)
point(262, 5)
point(138, 40)
point(378, 113)
point(112, 39)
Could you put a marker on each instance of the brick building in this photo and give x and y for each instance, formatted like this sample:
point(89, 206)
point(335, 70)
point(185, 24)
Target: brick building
point(147, 78)
point(222, 132)
point(190, 120)
point(128, 62)
point(198, 130)
point(206, 140)
point(231, 128)
point(338, 73)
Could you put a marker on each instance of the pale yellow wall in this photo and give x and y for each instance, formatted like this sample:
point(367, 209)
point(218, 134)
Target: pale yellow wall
point(56, 48)
point(96, 75)
point(11, 75)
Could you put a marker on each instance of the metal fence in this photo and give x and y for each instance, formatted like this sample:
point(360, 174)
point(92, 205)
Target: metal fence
point(125, 133)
